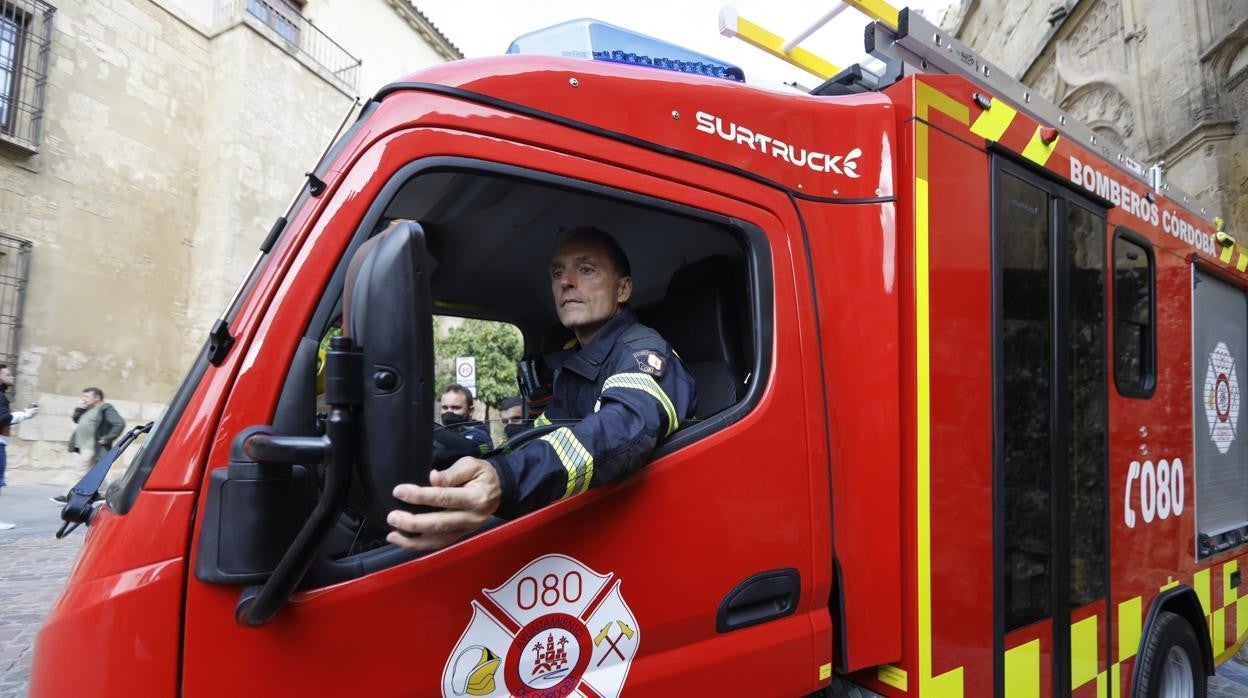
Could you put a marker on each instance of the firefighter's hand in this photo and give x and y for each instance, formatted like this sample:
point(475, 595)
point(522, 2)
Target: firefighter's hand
point(468, 492)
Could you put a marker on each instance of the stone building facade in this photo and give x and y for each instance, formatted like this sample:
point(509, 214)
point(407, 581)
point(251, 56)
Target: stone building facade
point(146, 146)
point(1167, 80)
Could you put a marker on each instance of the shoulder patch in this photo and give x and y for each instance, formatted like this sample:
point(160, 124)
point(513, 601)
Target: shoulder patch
point(651, 362)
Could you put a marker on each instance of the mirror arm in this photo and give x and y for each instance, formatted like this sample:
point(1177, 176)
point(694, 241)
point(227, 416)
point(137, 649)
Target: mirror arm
point(344, 392)
point(296, 450)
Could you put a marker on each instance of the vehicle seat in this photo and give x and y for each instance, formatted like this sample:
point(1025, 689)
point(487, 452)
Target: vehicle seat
point(701, 319)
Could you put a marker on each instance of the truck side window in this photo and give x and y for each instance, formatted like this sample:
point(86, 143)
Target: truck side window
point(1135, 336)
point(698, 280)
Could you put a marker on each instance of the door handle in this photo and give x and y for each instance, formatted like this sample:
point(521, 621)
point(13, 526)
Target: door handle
point(760, 598)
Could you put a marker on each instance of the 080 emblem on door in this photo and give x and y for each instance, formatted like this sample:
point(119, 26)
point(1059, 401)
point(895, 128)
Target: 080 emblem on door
point(556, 628)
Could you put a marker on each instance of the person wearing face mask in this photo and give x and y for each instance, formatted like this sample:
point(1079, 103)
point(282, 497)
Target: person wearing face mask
point(511, 415)
point(457, 416)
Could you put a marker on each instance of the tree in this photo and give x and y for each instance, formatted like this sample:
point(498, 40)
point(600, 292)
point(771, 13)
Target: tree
point(497, 347)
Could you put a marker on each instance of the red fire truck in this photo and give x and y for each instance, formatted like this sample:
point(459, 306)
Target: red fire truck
point(968, 420)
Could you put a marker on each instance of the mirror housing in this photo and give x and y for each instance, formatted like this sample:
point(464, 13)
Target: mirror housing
point(388, 313)
point(254, 511)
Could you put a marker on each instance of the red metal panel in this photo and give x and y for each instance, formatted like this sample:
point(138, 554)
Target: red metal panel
point(854, 253)
point(723, 121)
point(1147, 554)
point(119, 618)
point(960, 264)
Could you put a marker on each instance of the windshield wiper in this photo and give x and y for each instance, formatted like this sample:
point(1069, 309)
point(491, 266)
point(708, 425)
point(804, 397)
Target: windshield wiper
point(80, 506)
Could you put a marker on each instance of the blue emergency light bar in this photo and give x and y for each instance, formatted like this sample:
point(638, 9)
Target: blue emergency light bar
point(599, 41)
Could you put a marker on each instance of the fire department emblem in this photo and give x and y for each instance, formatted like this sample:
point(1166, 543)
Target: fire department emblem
point(556, 628)
point(1222, 397)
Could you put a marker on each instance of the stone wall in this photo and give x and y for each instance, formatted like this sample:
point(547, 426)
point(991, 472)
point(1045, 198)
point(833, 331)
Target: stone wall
point(39, 452)
point(1167, 80)
point(174, 134)
point(266, 119)
point(104, 203)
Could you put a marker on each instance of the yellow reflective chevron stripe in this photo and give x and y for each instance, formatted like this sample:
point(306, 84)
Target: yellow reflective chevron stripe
point(993, 121)
point(1037, 151)
point(542, 420)
point(575, 458)
point(647, 384)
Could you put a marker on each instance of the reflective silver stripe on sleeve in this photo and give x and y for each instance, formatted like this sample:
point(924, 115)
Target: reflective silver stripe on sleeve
point(576, 459)
point(647, 384)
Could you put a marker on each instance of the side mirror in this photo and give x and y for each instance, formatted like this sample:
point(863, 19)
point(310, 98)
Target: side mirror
point(378, 387)
point(387, 312)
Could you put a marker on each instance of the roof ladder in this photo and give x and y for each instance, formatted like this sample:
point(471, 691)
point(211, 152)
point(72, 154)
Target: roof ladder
point(907, 43)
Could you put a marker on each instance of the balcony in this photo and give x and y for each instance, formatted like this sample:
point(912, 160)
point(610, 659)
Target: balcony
point(298, 35)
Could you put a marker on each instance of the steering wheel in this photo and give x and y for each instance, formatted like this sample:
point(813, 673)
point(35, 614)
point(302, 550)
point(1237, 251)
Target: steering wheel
point(522, 438)
point(449, 446)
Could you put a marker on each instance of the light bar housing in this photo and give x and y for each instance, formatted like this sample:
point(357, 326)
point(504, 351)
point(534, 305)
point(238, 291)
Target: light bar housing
point(600, 41)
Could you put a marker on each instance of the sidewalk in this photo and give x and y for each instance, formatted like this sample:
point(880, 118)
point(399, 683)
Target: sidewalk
point(28, 506)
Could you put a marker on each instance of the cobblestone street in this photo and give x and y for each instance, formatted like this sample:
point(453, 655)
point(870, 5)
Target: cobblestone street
point(33, 568)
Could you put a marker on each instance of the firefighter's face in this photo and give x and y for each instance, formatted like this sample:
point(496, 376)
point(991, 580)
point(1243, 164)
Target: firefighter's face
point(588, 291)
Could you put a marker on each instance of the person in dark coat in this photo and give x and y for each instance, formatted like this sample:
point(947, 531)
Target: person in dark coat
point(457, 416)
point(7, 419)
point(614, 398)
point(511, 416)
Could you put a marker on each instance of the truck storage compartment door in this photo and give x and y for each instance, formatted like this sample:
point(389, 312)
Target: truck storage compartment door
point(1219, 357)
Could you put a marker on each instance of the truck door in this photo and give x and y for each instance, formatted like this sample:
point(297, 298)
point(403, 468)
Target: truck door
point(694, 576)
point(1050, 503)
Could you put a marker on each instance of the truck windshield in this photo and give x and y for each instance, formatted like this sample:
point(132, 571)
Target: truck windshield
point(122, 493)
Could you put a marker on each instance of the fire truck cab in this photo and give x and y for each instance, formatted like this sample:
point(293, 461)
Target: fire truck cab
point(967, 422)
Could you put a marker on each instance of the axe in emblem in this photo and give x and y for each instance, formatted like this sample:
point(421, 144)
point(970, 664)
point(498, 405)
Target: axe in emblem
point(613, 645)
point(602, 634)
point(628, 632)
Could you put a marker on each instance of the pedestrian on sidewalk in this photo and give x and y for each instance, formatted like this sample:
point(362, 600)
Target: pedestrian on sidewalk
point(7, 419)
point(98, 426)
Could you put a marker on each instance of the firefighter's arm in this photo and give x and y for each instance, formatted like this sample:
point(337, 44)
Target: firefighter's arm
point(634, 412)
point(467, 493)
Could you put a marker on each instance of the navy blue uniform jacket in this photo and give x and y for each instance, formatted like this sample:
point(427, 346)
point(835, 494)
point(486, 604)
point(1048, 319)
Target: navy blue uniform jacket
point(617, 397)
point(476, 432)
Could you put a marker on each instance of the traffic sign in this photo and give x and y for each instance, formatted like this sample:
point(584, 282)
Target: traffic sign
point(466, 373)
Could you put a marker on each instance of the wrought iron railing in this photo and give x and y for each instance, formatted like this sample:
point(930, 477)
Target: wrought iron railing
point(25, 39)
point(14, 264)
point(300, 35)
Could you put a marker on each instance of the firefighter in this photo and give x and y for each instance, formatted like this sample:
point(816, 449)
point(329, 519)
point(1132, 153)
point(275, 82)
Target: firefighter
point(615, 397)
point(457, 416)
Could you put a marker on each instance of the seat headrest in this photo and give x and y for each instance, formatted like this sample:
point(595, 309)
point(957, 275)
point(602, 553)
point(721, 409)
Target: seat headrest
point(698, 317)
